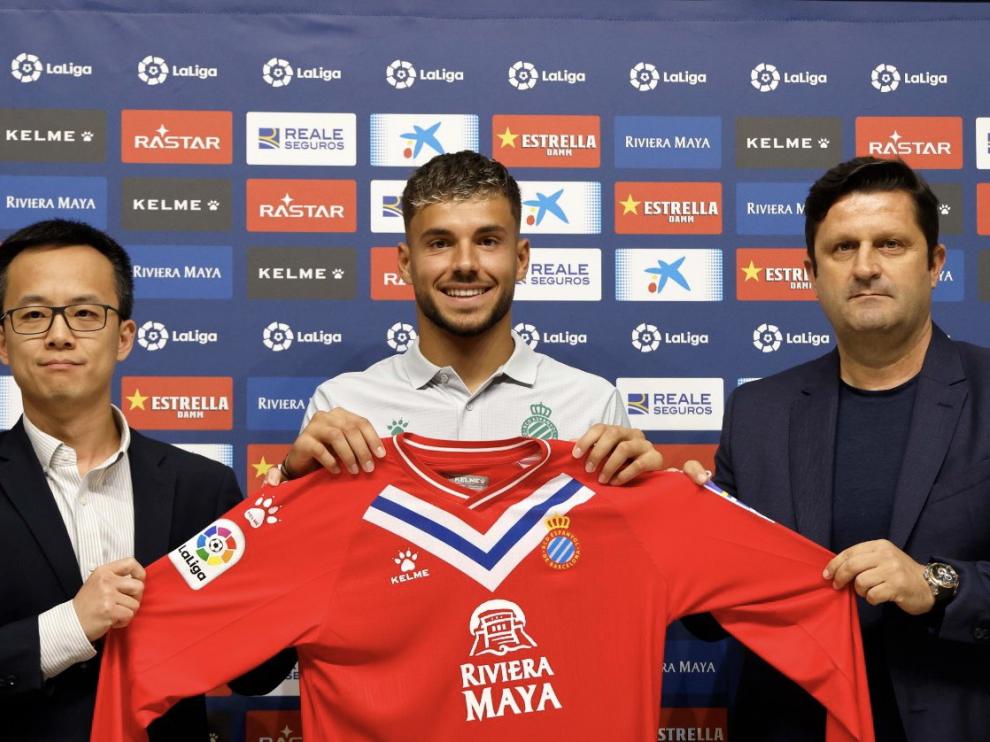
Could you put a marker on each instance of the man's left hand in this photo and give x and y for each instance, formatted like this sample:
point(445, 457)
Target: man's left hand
point(626, 454)
point(881, 573)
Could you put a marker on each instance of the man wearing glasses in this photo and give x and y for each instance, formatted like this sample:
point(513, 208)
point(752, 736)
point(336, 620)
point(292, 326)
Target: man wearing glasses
point(84, 500)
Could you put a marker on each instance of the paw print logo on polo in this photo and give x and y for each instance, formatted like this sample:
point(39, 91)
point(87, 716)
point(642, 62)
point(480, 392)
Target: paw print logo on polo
point(765, 77)
point(152, 70)
point(646, 337)
point(885, 78)
point(263, 512)
point(523, 75)
point(152, 336)
point(400, 336)
point(277, 337)
point(277, 72)
point(767, 338)
point(499, 627)
point(400, 74)
point(528, 334)
point(644, 77)
point(26, 67)
point(209, 554)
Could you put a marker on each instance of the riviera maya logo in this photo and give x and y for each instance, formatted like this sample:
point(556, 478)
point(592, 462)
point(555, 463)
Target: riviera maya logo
point(539, 424)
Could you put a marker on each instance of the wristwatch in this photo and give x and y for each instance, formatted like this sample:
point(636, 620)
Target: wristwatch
point(943, 580)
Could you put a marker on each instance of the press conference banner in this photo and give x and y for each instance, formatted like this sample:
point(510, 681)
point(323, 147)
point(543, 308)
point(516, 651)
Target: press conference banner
point(251, 158)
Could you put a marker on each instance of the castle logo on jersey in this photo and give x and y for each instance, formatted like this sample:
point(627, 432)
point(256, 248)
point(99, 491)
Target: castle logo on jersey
point(178, 402)
point(53, 135)
point(546, 141)
point(561, 207)
point(518, 686)
point(539, 424)
point(314, 139)
point(561, 548)
point(209, 554)
point(409, 140)
point(668, 208)
point(923, 142)
point(678, 142)
point(25, 199)
point(301, 205)
point(668, 275)
point(176, 137)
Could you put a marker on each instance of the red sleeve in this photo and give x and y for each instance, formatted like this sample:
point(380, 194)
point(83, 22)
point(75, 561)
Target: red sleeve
point(255, 581)
point(763, 583)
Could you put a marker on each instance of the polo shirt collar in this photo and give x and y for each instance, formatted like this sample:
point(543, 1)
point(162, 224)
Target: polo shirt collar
point(521, 366)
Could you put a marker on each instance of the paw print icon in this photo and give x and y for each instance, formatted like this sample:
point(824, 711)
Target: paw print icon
point(406, 560)
point(823, 143)
point(944, 209)
point(213, 205)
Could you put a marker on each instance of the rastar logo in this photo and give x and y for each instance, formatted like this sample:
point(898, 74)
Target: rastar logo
point(301, 205)
point(152, 70)
point(701, 724)
point(279, 72)
point(386, 283)
point(646, 76)
point(886, 78)
point(924, 142)
point(402, 75)
point(668, 208)
point(766, 77)
point(546, 141)
point(28, 68)
point(180, 137)
point(404, 140)
point(772, 274)
point(178, 402)
point(260, 458)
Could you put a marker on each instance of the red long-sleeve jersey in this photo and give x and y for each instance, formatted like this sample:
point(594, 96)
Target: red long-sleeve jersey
point(482, 591)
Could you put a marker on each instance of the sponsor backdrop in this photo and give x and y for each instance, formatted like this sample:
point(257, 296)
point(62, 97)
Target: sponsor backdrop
point(251, 162)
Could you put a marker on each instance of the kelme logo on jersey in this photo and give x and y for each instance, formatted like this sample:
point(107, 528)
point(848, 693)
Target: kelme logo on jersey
point(314, 139)
point(769, 338)
point(27, 68)
point(402, 75)
point(770, 208)
point(679, 142)
point(951, 284)
point(278, 402)
point(386, 206)
point(279, 336)
point(673, 404)
point(539, 424)
point(175, 204)
point(813, 143)
point(209, 554)
point(180, 137)
point(181, 271)
point(498, 628)
point(410, 569)
point(646, 76)
point(53, 135)
point(178, 402)
point(560, 548)
point(668, 208)
point(153, 336)
point(264, 512)
point(279, 72)
point(561, 207)
point(647, 337)
point(546, 141)
point(668, 275)
point(561, 274)
point(302, 273)
point(525, 75)
point(25, 199)
point(924, 142)
point(153, 70)
point(772, 274)
point(301, 205)
point(406, 139)
point(766, 77)
point(886, 78)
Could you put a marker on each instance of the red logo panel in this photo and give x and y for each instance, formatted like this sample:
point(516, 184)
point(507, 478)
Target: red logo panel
point(772, 274)
point(178, 402)
point(668, 208)
point(260, 458)
point(546, 141)
point(925, 142)
point(386, 285)
point(301, 205)
point(176, 137)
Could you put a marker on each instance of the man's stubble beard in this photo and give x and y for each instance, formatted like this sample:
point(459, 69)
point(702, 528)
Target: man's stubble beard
point(431, 312)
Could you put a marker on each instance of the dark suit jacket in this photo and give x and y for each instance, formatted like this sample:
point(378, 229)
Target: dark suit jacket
point(777, 453)
point(175, 494)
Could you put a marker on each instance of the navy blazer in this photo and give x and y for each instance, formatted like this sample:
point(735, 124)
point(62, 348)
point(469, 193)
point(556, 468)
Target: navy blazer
point(175, 494)
point(777, 453)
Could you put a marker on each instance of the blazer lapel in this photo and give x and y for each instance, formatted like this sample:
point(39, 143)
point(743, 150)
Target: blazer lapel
point(938, 402)
point(812, 450)
point(24, 484)
point(154, 492)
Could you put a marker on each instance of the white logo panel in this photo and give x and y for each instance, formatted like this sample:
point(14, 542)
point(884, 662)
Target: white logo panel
point(408, 140)
point(691, 274)
point(562, 274)
point(281, 138)
point(561, 207)
point(673, 404)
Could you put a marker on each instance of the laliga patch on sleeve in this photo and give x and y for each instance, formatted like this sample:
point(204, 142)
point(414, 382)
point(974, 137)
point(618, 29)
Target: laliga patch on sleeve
point(206, 556)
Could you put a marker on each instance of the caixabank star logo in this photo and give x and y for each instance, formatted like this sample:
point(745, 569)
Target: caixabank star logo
point(668, 208)
point(411, 139)
point(560, 207)
point(176, 137)
point(546, 141)
point(178, 402)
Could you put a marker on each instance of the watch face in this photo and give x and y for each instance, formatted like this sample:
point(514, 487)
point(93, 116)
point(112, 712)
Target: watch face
point(944, 575)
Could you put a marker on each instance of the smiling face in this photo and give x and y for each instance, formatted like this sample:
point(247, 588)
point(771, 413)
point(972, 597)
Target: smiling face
point(61, 371)
point(873, 273)
point(463, 259)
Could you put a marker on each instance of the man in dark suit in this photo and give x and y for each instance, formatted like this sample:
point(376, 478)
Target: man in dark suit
point(880, 451)
point(84, 500)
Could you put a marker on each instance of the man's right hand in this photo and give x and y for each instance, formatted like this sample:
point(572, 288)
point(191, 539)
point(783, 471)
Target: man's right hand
point(110, 597)
point(334, 439)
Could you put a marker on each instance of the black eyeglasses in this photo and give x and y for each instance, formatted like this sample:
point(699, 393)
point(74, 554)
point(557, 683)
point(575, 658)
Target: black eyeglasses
point(38, 319)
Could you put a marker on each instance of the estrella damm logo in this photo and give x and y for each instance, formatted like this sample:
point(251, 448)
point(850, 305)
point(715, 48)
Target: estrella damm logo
point(772, 274)
point(668, 208)
point(546, 141)
point(560, 548)
point(178, 402)
point(179, 137)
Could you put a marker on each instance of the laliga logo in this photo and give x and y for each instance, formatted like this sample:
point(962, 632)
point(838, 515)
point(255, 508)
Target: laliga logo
point(400, 336)
point(767, 338)
point(885, 78)
point(765, 77)
point(277, 337)
point(523, 76)
point(646, 337)
point(277, 72)
point(26, 67)
point(153, 70)
point(152, 336)
point(400, 74)
point(528, 334)
point(644, 77)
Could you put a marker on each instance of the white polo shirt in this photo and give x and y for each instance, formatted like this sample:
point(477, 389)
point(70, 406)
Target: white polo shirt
point(530, 394)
